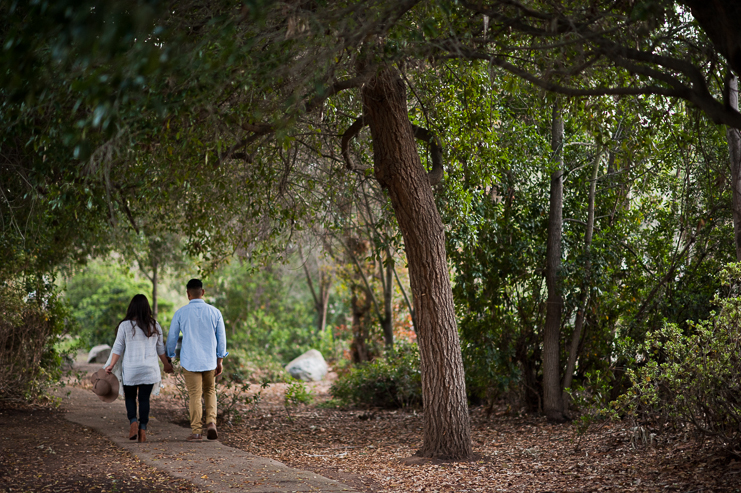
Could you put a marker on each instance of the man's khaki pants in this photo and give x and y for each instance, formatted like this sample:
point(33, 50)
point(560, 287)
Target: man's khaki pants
point(200, 383)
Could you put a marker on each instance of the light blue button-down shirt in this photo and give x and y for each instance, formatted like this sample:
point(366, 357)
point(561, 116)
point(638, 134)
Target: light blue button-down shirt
point(204, 336)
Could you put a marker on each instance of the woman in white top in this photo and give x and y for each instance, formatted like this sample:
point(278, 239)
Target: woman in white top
point(139, 340)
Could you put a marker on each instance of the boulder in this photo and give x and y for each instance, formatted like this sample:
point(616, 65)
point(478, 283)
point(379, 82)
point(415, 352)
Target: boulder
point(99, 354)
point(309, 367)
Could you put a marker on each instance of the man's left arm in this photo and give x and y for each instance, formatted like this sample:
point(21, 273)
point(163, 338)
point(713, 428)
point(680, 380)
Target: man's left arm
point(172, 336)
point(221, 352)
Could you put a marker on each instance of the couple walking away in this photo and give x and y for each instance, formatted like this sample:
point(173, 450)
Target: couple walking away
point(133, 365)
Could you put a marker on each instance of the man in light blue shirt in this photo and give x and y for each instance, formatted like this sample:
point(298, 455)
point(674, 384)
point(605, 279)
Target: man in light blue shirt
point(201, 355)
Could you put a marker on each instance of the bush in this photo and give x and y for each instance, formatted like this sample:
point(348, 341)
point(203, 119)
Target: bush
point(694, 379)
point(99, 296)
point(389, 382)
point(254, 366)
point(32, 320)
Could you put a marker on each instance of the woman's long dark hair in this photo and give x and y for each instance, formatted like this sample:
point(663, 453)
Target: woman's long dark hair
point(140, 312)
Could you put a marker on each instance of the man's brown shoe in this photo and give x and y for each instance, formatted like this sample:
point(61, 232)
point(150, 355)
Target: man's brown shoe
point(134, 430)
point(211, 431)
point(142, 436)
point(195, 437)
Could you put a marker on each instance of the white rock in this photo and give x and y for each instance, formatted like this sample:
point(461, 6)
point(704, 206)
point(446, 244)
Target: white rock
point(99, 354)
point(309, 367)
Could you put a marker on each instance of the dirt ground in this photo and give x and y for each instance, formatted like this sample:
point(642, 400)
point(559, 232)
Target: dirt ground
point(365, 449)
point(42, 451)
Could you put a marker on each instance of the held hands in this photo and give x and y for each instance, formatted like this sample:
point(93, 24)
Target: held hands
point(219, 369)
point(168, 368)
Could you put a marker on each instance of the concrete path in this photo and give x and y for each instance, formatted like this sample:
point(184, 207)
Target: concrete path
point(209, 464)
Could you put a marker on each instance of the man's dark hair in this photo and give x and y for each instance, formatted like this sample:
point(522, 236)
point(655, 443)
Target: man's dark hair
point(194, 288)
point(194, 284)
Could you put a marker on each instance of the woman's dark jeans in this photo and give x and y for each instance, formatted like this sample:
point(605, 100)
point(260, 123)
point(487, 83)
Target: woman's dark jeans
point(130, 396)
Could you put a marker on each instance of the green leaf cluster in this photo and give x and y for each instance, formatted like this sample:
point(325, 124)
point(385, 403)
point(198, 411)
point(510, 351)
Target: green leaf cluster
point(692, 377)
point(391, 381)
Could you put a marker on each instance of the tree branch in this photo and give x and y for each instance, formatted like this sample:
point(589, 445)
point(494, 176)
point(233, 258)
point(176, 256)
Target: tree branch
point(350, 134)
point(435, 175)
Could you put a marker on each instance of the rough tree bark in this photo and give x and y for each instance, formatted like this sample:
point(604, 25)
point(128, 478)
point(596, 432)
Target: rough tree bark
point(734, 149)
point(552, 398)
point(399, 170)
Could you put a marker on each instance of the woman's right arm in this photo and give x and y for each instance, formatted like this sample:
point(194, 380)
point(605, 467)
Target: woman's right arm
point(118, 347)
point(114, 360)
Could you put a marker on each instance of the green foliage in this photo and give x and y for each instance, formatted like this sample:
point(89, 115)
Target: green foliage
point(33, 318)
point(661, 222)
point(268, 312)
point(692, 377)
point(391, 381)
point(591, 397)
point(254, 366)
point(99, 296)
point(297, 393)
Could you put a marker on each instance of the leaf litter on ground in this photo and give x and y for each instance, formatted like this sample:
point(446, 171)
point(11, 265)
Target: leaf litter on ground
point(369, 449)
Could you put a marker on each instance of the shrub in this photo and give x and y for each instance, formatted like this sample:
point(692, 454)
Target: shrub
point(99, 296)
point(32, 319)
point(694, 378)
point(255, 366)
point(296, 393)
point(389, 382)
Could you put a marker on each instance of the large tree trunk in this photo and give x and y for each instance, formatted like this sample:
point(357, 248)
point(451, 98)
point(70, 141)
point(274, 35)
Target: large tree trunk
point(581, 313)
point(721, 21)
point(447, 428)
point(552, 398)
point(734, 148)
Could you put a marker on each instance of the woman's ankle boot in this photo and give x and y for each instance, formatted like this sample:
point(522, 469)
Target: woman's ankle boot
point(134, 430)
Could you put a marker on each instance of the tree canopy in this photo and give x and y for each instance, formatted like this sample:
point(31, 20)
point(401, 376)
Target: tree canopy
point(225, 129)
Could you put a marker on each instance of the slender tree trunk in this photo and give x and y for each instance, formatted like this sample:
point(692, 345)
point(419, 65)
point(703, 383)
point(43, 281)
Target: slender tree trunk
point(360, 305)
point(734, 147)
point(447, 429)
point(361, 301)
point(581, 314)
point(155, 280)
point(552, 398)
point(321, 299)
point(326, 284)
point(387, 323)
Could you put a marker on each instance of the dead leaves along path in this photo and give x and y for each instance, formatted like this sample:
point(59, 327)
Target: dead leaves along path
point(363, 449)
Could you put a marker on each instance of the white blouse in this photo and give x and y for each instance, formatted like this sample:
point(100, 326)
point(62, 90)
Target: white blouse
point(139, 364)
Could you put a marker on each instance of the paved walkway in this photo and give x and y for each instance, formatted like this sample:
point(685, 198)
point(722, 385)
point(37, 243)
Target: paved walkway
point(209, 465)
